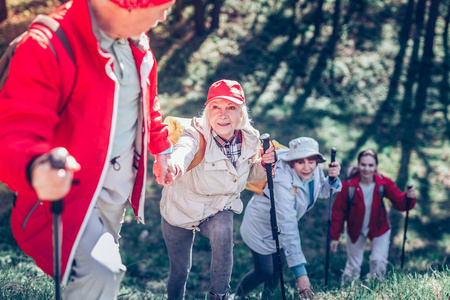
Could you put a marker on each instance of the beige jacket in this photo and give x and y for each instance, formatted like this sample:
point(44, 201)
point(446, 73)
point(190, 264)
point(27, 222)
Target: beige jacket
point(214, 184)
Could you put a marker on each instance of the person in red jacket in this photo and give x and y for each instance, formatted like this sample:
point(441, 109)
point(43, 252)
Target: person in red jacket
point(103, 108)
point(366, 216)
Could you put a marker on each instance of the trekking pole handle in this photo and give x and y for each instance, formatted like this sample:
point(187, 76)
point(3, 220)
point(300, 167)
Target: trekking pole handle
point(333, 158)
point(57, 160)
point(408, 200)
point(265, 138)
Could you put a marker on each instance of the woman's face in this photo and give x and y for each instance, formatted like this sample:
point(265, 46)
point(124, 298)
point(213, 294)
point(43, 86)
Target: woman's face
point(305, 167)
point(224, 117)
point(367, 167)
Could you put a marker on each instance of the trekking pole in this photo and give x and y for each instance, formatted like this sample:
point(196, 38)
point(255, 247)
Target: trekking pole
point(408, 203)
point(273, 216)
point(57, 160)
point(332, 179)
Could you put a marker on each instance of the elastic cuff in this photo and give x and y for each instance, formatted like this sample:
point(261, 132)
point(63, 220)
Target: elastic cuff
point(299, 270)
point(167, 151)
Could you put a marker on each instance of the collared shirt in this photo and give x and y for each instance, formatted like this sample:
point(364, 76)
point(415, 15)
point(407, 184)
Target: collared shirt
point(232, 147)
point(129, 92)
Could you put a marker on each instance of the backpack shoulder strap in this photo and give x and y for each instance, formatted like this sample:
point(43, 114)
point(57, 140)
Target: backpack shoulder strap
point(351, 195)
point(54, 26)
point(200, 153)
point(381, 191)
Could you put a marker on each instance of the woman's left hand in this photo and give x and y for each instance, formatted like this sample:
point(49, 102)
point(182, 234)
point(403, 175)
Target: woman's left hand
point(269, 156)
point(334, 170)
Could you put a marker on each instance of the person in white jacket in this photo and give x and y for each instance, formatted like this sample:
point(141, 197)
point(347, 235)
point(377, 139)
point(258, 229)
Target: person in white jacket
point(204, 198)
point(299, 180)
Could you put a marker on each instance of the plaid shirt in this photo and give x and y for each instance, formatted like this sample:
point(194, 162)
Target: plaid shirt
point(232, 147)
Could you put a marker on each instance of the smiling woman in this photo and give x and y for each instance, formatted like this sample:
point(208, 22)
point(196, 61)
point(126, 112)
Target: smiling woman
point(204, 198)
point(361, 205)
point(299, 181)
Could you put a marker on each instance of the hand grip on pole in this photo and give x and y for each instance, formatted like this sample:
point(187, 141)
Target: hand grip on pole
point(57, 160)
point(408, 200)
point(265, 138)
point(333, 158)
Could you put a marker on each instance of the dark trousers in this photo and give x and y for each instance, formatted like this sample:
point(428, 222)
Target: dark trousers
point(265, 271)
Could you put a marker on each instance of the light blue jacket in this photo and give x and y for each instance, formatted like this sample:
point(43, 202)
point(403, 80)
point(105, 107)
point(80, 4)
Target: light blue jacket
point(256, 229)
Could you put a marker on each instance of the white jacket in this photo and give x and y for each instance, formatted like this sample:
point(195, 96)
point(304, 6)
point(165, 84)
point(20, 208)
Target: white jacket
point(214, 184)
point(256, 229)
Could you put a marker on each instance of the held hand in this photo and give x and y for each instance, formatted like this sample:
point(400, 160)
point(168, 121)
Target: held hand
point(334, 246)
point(164, 170)
point(303, 287)
point(269, 156)
point(52, 184)
point(334, 170)
point(410, 193)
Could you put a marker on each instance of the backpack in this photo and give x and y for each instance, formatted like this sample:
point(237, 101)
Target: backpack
point(176, 126)
point(258, 186)
point(48, 22)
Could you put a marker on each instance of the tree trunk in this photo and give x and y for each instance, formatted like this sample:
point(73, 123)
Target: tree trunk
point(415, 121)
point(3, 10)
point(385, 109)
point(199, 17)
point(444, 88)
point(406, 108)
point(215, 14)
point(178, 9)
point(321, 65)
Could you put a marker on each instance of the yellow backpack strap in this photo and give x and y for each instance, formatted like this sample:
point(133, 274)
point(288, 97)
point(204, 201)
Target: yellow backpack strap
point(200, 153)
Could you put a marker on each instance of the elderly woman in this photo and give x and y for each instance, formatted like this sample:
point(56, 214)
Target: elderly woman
point(299, 181)
point(204, 198)
point(361, 205)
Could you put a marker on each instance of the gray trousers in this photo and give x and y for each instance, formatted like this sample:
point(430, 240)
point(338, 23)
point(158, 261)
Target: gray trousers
point(97, 269)
point(179, 241)
point(378, 257)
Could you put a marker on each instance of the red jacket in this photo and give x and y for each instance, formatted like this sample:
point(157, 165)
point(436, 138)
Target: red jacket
point(379, 220)
point(35, 117)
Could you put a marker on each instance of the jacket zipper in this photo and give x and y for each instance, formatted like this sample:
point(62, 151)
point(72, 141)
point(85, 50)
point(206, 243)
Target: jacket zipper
point(29, 214)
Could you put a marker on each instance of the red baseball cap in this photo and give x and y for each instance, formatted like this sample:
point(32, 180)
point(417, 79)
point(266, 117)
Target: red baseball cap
point(226, 89)
point(132, 4)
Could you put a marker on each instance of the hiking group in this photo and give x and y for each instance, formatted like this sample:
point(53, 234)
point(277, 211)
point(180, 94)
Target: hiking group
point(89, 85)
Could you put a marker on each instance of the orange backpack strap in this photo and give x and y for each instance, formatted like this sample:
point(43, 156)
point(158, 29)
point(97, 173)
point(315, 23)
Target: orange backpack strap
point(200, 153)
point(295, 190)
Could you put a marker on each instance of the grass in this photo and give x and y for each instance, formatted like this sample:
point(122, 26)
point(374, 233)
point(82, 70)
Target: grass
point(17, 270)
